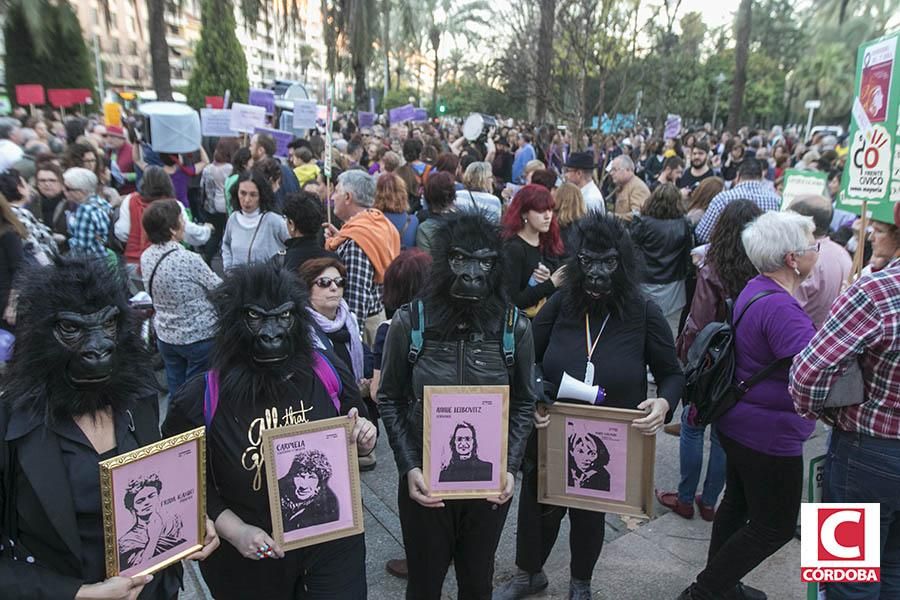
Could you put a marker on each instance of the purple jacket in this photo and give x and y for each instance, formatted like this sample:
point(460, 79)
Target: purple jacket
point(773, 328)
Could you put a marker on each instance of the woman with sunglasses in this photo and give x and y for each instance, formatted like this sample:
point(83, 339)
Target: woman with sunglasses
point(326, 277)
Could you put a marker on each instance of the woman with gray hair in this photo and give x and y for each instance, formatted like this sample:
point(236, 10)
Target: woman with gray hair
point(479, 181)
point(88, 224)
point(761, 434)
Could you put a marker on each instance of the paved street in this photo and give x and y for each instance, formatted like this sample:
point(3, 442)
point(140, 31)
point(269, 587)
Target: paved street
point(649, 561)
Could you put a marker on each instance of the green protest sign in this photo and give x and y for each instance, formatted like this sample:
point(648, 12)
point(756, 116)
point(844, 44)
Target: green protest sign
point(799, 183)
point(872, 172)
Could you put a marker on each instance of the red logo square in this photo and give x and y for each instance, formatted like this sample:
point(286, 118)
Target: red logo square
point(842, 534)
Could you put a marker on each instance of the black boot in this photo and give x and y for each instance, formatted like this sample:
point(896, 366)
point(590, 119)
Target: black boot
point(745, 592)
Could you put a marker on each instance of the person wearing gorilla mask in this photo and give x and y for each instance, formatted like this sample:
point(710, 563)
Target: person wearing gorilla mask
point(462, 333)
point(80, 390)
point(266, 373)
point(602, 331)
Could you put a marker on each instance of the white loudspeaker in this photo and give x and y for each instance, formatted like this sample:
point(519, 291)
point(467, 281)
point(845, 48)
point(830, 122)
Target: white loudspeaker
point(573, 389)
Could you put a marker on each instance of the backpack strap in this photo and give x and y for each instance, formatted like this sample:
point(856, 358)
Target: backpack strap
point(417, 335)
point(744, 386)
point(328, 375)
point(756, 297)
point(509, 336)
point(211, 396)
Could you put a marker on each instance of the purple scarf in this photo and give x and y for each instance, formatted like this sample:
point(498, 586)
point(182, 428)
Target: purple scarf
point(342, 318)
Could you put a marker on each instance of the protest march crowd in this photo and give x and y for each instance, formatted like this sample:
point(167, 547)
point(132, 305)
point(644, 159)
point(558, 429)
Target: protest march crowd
point(429, 259)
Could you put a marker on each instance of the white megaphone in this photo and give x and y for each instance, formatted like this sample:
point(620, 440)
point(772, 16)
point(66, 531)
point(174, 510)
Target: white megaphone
point(572, 389)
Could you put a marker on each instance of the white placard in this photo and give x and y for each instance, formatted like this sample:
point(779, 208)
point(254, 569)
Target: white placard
point(305, 114)
point(215, 122)
point(246, 117)
point(859, 113)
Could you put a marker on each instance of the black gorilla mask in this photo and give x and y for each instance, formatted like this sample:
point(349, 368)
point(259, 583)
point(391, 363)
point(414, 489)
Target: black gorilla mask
point(465, 287)
point(597, 269)
point(271, 330)
point(472, 270)
point(90, 342)
point(77, 346)
point(264, 331)
point(602, 274)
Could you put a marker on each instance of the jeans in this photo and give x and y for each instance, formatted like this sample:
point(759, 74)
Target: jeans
point(183, 362)
point(757, 516)
point(691, 452)
point(861, 468)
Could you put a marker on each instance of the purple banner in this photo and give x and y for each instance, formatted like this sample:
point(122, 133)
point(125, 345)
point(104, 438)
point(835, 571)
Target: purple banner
point(420, 115)
point(366, 119)
point(673, 126)
point(282, 139)
point(264, 98)
point(402, 113)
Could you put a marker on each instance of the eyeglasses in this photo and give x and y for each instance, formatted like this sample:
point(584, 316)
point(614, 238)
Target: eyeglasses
point(68, 189)
point(812, 247)
point(325, 282)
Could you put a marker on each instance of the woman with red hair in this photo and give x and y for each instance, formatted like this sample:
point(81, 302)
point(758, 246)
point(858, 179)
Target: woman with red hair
point(533, 248)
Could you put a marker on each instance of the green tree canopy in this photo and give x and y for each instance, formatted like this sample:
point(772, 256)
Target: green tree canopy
point(220, 61)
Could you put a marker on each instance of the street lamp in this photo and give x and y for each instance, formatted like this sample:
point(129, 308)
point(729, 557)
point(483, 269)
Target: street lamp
point(720, 79)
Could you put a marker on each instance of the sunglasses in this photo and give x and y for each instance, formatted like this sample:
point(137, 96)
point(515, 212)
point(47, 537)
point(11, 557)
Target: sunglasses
point(325, 282)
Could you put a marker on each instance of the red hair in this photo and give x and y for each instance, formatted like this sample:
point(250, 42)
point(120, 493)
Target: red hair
point(538, 198)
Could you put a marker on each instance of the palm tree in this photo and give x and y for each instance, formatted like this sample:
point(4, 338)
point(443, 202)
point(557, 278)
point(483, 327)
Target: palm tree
point(307, 57)
point(454, 19)
point(351, 26)
point(741, 52)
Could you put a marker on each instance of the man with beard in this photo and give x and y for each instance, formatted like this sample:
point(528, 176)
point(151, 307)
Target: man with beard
point(602, 331)
point(266, 374)
point(464, 462)
point(462, 332)
point(79, 392)
point(699, 170)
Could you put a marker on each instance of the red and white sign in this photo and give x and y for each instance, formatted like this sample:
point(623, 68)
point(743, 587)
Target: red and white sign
point(840, 542)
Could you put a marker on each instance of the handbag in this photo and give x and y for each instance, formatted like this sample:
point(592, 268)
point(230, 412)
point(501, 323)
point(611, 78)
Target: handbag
point(848, 389)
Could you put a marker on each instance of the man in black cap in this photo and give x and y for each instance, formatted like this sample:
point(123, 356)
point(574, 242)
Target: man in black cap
point(580, 171)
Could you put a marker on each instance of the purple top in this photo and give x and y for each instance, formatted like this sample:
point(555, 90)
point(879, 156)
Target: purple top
point(181, 178)
point(774, 327)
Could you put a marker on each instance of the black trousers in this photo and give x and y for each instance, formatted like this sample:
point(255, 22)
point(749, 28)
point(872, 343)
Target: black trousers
point(757, 516)
point(326, 571)
point(464, 531)
point(211, 247)
point(538, 526)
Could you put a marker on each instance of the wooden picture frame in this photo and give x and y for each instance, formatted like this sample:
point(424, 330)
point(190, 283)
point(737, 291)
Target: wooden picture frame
point(621, 484)
point(297, 458)
point(160, 487)
point(450, 412)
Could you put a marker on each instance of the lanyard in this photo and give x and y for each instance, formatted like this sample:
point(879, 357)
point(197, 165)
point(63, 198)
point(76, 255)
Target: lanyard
point(587, 335)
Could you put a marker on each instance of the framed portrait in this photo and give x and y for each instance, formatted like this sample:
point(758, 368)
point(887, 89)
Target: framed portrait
point(590, 457)
point(312, 471)
point(154, 504)
point(464, 445)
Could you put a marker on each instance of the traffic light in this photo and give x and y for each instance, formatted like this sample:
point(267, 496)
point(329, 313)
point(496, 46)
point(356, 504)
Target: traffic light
point(442, 108)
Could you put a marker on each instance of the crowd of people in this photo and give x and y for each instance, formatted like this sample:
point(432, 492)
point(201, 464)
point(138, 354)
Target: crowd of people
point(430, 259)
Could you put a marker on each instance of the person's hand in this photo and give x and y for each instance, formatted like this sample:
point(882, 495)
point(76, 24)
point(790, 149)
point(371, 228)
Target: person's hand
point(330, 230)
point(509, 486)
point(114, 588)
point(541, 273)
point(364, 432)
point(418, 491)
point(716, 161)
point(255, 544)
point(559, 276)
point(210, 226)
point(657, 409)
point(210, 542)
point(685, 192)
point(507, 192)
point(541, 416)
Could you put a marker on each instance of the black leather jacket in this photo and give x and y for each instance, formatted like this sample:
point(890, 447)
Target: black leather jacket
point(666, 246)
point(467, 359)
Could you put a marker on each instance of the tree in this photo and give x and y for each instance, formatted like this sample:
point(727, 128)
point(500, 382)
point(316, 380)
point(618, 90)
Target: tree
point(159, 49)
point(220, 61)
point(351, 26)
point(48, 50)
point(741, 52)
point(544, 57)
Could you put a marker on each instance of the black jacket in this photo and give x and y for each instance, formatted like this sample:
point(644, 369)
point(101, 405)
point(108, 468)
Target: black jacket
point(467, 359)
point(47, 551)
point(666, 246)
point(301, 249)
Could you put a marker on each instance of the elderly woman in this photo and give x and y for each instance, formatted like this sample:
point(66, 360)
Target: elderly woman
point(600, 330)
point(155, 185)
point(326, 279)
point(89, 223)
point(391, 199)
point(178, 281)
point(40, 243)
point(762, 435)
point(479, 181)
point(255, 233)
